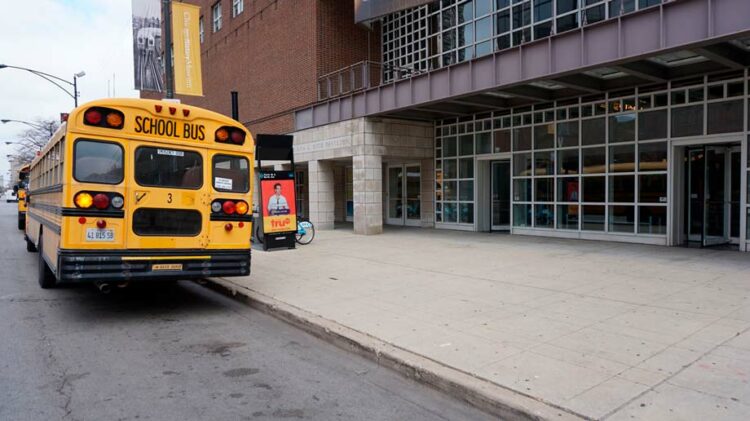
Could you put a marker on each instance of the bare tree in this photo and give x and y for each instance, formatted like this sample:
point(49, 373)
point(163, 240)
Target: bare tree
point(34, 139)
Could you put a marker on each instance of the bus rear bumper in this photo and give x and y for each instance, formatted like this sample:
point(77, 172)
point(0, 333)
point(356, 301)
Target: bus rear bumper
point(81, 266)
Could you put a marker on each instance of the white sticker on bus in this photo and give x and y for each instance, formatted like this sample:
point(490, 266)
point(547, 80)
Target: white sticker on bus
point(170, 152)
point(97, 234)
point(223, 183)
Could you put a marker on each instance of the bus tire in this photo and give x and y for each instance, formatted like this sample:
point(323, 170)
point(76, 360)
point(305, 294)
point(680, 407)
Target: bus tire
point(30, 247)
point(21, 222)
point(45, 275)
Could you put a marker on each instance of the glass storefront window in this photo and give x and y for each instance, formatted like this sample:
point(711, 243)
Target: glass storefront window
point(594, 160)
point(652, 125)
point(567, 134)
point(466, 213)
point(484, 143)
point(544, 136)
point(622, 128)
point(652, 156)
point(593, 189)
point(544, 163)
point(653, 188)
point(544, 189)
point(621, 218)
point(593, 131)
point(521, 215)
point(522, 190)
point(466, 145)
point(622, 188)
point(450, 169)
point(567, 161)
point(449, 213)
point(522, 164)
point(652, 220)
point(593, 218)
point(449, 147)
point(466, 190)
point(450, 190)
point(544, 216)
point(567, 217)
point(522, 139)
point(687, 121)
point(465, 168)
point(725, 117)
point(502, 141)
point(567, 189)
point(622, 158)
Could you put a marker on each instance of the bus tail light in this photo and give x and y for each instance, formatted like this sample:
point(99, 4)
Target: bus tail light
point(83, 200)
point(228, 134)
point(241, 208)
point(216, 207)
point(104, 117)
point(101, 201)
point(229, 207)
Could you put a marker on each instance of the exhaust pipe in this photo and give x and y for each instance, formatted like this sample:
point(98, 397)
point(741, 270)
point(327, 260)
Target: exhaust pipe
point(104, 287)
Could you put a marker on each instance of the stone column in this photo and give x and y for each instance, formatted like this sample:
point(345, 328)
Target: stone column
point(321, 187)
point(368, 194)
point(427, 190)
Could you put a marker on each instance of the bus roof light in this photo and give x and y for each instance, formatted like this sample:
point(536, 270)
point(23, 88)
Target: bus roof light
point(101, 201)
point(186, 112)
point(157, 107)
point(172, 110)
point(238, 136)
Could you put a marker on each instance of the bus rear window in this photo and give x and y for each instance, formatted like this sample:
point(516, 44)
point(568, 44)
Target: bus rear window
point(97, 162)
point(166, 222)
point(161, 167)
point(231, 174)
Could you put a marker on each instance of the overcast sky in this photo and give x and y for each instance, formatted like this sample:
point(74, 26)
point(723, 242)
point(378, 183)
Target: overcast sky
point(60, 37)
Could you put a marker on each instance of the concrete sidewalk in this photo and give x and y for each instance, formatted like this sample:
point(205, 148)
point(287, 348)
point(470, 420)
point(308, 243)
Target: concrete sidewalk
point(590, 329)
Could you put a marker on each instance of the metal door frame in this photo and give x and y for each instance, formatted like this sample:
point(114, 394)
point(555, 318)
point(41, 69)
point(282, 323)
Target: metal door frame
point(404, 220)
point(494, 227)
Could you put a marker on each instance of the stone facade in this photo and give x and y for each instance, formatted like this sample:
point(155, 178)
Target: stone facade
point(369, 144)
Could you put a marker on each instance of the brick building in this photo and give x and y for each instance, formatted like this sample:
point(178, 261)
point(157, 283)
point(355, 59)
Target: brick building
point(619, 120)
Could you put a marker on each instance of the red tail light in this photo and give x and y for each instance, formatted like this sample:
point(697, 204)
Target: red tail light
point(229, 134)
point(228, 207)
point(238, 137)
point(101, 201)
point(93, 117)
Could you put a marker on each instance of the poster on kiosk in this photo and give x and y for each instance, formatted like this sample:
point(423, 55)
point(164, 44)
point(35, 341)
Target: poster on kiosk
point(278, 201)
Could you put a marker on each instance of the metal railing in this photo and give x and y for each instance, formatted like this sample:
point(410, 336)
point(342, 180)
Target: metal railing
point(358, 77)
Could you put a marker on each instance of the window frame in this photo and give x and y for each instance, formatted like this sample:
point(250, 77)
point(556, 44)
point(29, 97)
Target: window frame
point(75, 160)
point(213, 163)
point(238, 6)
point(216, 17)
point(135, 161)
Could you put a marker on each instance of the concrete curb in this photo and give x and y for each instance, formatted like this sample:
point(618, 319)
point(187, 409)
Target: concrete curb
point(499, 401)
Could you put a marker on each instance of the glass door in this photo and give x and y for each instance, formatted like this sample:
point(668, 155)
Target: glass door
point(500, 195)
point(710, 171)
point(404, 207)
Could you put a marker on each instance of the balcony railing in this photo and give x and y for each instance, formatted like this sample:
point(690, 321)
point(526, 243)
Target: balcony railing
point(358, 77)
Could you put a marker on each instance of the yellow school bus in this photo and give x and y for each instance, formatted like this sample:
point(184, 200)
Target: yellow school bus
point(23, 183)
point(136, 190)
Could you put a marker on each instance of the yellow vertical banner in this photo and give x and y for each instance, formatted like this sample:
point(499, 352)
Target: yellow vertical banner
point(187, 49)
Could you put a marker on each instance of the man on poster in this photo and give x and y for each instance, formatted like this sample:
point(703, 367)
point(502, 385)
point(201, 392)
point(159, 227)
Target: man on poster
point(277, 204)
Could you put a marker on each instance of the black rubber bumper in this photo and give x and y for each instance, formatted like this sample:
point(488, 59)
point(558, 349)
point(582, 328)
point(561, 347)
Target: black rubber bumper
point(80, 266)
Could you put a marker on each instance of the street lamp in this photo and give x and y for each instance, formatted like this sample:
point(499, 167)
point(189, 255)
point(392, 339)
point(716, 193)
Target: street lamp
point(34, 125)
point(52, 79)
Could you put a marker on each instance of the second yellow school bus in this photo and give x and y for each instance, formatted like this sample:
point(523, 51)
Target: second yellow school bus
point(133, 189)
point(23, 184)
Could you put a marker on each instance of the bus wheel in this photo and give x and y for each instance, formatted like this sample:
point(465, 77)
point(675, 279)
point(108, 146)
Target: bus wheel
point(46, 277)
point(21, 222)
point(30, 247)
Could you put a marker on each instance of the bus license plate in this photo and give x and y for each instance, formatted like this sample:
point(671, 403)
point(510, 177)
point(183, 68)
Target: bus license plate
point(167, 266)
point(98, 234)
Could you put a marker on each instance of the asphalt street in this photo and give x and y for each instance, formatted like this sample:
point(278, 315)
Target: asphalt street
point(177, 352)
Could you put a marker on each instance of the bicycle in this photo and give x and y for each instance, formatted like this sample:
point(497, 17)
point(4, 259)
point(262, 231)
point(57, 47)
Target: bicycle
point(304, 235)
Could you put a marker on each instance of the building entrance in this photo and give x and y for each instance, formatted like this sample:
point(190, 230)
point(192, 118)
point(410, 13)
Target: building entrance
point(500, 195)
point(404, 195)
point(712, 195)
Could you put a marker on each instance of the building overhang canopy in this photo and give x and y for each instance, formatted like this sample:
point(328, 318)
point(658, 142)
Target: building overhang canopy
point(673, 40)
point(367, 10)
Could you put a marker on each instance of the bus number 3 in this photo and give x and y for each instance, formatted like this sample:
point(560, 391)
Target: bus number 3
point(169, 197)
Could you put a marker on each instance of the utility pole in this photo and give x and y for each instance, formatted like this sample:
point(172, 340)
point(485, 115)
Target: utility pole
point(166, 7)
